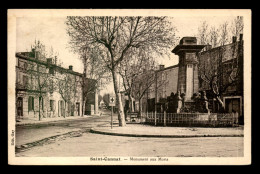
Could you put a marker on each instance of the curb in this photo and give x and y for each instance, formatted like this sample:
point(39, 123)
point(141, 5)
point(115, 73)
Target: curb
point(92, 130)
point(47, 140)
point(43, 122)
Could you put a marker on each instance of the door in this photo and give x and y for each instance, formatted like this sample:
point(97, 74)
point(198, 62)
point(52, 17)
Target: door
point(61, 108)
point(232, 105)
point(72, 110)
point(77, 108)
point(20, 106)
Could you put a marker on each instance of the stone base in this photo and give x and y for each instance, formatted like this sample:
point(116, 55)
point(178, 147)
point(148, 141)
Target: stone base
point(189, 104)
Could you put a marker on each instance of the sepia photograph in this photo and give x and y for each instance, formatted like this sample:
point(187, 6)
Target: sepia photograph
point(129, 87)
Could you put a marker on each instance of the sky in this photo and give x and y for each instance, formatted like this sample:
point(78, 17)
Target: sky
point(52, 32)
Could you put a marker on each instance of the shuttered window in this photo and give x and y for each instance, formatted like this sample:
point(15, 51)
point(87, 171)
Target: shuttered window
point(52, 105)
point(30, 103)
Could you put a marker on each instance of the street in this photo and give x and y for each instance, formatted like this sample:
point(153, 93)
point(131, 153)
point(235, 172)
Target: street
point(88, 144)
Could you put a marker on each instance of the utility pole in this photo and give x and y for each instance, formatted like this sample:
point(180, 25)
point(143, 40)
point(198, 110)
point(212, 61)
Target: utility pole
point(112, 117)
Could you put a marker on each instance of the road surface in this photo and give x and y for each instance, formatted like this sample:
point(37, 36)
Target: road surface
point(87, 144)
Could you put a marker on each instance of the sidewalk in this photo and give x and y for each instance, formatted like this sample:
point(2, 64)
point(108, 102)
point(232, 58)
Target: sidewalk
point(139, 130)
point(46, 120)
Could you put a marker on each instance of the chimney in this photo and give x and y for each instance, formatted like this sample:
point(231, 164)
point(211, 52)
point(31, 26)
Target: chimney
point(208, 47)
point(161, 67)
point(71, 67)
point(55, 60)
point(241, 37)
point(234, 39)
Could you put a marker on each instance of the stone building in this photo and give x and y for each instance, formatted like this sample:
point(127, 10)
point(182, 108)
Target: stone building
point(46, 90)
point(187, 77)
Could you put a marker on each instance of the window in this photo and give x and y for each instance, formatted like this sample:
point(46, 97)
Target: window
point(19, 63)
point(30, 103)
point(51, 105)
point(25, 80)
point(25, 66)
point(42, 104)
point(163, 76)
point(51, 86)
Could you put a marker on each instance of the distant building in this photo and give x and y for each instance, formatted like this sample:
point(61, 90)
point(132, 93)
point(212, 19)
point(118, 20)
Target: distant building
point(46, 88)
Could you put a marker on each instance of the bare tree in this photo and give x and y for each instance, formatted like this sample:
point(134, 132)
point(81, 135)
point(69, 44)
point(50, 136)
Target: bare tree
point(38, 75)
point(113, 37)
point(94, 74)
point(203, 33)
point(214, 36)
point(237, 26)
point(141, 85)
point(134, 65)
point(218, 74)
point(223, 34)
point(66, 88)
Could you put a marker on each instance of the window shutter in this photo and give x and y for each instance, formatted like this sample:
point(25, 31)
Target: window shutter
point(42, 104)
point(54, 105)
point(29, 103)
point(32, 103)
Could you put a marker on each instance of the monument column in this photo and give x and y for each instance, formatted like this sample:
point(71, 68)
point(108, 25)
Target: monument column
point(188, 81)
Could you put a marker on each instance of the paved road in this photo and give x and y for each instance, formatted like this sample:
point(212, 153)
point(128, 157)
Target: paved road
point(34, 132)
point(88, 144)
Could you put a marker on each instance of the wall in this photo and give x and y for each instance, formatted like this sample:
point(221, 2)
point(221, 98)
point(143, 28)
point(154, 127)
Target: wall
point(170, 83)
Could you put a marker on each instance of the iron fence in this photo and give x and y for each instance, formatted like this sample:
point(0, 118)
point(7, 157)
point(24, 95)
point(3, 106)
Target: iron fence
point(190, 119)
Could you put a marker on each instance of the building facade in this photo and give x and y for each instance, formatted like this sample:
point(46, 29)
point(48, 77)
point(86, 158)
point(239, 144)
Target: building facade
point(46, 90)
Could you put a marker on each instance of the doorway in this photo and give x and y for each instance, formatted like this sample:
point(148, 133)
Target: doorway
point(232, 104)
point(20, 107)
point(61, 108)
point(77, 109)
point(72, 110)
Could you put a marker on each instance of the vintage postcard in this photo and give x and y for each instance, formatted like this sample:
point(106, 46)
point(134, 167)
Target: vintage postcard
point(129, 87)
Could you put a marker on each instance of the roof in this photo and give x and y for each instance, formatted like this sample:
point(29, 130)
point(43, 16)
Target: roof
point(46, 64)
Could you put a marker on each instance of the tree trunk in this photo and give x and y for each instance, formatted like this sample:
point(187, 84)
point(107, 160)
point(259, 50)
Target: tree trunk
point(131, 103)
point(222, 106)
point(82, 109)
point(121, 115)
point(140, 108)
point(39, 107)
point(83, 105)
point(84, 75)
point(65, 109)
